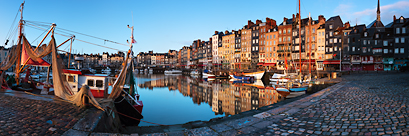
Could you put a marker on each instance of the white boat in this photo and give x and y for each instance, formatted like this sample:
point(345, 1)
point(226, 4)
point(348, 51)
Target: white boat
point(278, 79)
point(257, 75)
point(194, 73)
point(207, 75)
point(173, 72)
point(106, 71)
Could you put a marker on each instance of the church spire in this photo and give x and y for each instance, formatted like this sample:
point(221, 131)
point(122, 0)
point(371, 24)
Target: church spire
point(378, 13)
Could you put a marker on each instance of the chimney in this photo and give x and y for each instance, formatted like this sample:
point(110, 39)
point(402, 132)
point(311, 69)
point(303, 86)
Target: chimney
point(210, 39)
point(293, 16)
point(285, 19)
point(258, 22)
point(216, 32)
point(321, 17)
point(232, 31)
point(347, 25)
point(394, 18)
point(249, 23)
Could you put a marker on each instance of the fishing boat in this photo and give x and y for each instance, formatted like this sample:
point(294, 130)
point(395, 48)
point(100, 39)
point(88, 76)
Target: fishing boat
point(79, 87)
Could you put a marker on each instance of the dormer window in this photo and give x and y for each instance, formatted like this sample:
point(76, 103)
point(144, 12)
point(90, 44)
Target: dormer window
point(366, 34)
point(401, 20)
point(330, 26)
point(377, 36)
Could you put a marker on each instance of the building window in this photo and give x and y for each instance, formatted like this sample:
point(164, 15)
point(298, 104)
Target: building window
point(397, 30)
point(403, 30)
point(385, 51)
point(396, 50)
point(402, 40)
point(377, 36)
point(353, 48)
point(366, 34)
point(385, 43)
point(330, 26)
point(335, 40)
point(396, 40)
point(313, 30)
point(284, 32)
point(402, 50)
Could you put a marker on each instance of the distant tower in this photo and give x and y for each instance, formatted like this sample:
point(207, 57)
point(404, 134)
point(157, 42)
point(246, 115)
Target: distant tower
point(378, 12)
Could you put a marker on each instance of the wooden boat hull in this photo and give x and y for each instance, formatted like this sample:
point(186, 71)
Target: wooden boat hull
point(257, 75)
point(124, 107)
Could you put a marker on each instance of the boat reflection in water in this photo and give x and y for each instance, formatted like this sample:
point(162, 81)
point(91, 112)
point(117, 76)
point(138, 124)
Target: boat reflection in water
point(181, 99)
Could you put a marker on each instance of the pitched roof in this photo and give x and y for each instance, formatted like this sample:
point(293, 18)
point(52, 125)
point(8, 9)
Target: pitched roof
point(375, 23)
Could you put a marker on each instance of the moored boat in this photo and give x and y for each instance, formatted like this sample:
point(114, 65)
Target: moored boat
point(241, 77)
point(257, 75)
point(172, 72)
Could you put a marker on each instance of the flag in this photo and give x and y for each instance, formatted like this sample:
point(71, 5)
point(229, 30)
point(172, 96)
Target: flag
point(133, 40)
point(334, 55)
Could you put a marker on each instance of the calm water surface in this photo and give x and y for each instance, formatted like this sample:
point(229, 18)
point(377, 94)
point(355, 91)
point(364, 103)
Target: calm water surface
point(180, 99)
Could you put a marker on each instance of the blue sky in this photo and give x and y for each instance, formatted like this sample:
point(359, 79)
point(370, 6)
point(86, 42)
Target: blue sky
point(161, 25)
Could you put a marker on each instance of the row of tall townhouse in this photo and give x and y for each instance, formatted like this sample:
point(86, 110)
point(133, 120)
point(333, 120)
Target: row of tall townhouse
point(318, 44)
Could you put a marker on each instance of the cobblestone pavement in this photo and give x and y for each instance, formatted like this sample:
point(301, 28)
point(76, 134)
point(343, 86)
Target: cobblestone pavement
point(22, 116)
point(362, 104)
point(369, 104)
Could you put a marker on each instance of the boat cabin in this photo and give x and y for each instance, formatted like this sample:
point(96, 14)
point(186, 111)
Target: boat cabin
point(98, 83)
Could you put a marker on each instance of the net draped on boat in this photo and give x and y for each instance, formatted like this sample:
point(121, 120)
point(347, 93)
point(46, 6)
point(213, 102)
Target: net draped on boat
point(61, 87)
point(120, 81)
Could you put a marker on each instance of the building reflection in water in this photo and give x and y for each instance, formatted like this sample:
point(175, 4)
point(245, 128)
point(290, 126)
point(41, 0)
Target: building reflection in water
point(222, 96)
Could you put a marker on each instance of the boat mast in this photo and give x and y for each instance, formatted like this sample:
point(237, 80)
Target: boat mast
point(18, 63)
point(310, 24)
point(299, 30)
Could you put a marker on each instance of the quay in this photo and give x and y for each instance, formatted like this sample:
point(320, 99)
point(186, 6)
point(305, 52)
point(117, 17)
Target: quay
point(359, 104)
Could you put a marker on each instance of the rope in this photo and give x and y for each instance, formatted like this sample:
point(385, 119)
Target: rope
point(11, 27)
point(36, 27)
point(105, 40)
point(136, 118)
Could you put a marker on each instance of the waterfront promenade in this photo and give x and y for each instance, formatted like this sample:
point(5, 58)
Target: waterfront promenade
point(361, 104)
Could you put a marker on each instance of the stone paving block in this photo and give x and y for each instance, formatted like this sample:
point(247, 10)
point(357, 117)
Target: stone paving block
point(262, 115)
point(72, 132)
point(201, 131)
point(243, 122)
point(175, 133)
point(262, 124)
point(230, 133)
point(276, 111)
point(248, 130)
point(292, 111)
point(221, 127)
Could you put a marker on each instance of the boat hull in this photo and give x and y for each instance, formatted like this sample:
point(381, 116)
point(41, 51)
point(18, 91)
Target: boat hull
point(257, 75)
point(241, 77)
point(298, 89)
point(124, 107)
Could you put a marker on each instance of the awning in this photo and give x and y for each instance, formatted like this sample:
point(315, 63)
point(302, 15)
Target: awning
point(305, 61)
point(269, 64)
point(260, 63)
point(331, 61)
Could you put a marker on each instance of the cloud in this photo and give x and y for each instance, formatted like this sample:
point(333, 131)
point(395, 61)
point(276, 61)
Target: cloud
point(366, 16)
